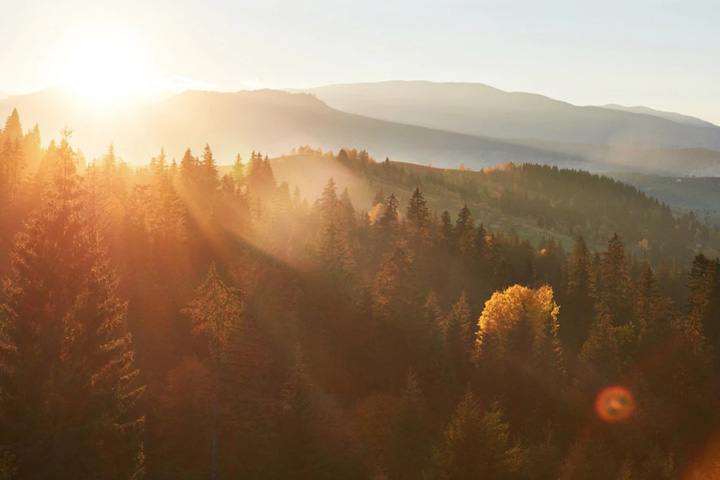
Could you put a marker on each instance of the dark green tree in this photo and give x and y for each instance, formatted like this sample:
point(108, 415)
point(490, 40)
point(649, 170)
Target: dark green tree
point(577, 311)
point(615, 286)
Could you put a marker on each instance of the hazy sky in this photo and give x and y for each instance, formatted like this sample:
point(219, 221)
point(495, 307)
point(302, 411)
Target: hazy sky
point(663, 54)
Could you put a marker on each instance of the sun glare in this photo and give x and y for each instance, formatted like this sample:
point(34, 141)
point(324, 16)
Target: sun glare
point(105, 65)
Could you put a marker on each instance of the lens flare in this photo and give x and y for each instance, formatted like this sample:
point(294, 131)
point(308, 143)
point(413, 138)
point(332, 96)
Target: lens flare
point(615, 404)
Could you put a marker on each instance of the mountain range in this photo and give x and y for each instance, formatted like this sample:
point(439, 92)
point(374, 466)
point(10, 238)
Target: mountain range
point(420, 122)
point(477, 109)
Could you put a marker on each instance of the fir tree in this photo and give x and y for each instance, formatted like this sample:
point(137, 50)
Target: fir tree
point(410, 438)
point(334, 241)
point(418, 216)
point(476, 444)
point(393, 291)
point(446, 231)
point(577, 312)
point(216, 313)
point(68, 386)
point(465, 232)
point(615, 284)
point(459, 331)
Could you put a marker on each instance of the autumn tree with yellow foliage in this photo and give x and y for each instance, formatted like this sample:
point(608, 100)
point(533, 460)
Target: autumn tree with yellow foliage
point(519, 354)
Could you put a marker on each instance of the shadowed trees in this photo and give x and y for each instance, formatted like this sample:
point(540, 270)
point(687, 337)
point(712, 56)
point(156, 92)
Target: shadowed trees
point(68, 385)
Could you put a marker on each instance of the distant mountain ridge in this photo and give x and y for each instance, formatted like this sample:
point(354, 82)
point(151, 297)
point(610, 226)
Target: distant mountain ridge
point(277, 121)
point(481, 110)
point(672, 116)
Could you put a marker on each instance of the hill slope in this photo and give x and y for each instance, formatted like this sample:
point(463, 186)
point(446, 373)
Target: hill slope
point(534, 201)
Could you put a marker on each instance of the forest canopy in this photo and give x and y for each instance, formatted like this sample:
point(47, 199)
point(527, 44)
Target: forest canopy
point(189, 320)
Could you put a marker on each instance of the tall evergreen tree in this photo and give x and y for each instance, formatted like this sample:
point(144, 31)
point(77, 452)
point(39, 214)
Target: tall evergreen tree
point(389, 220)
point(465, 232)
point(476, 444)
point(216, 313)
point(615, 284)
point(577, 312)
point(209, 177)
point(459, 330)
point(393, 292)
point(334, 242)
point(418, 216)
point(410, 437)
point(68, 385)
point(446, 231)
point(703, 300)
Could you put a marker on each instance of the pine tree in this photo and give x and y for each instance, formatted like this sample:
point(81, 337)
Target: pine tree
point(703, 300)
point(260, 176)
point(418, 216)
point(13, 128)
point(68, 386)
point(216, 312)
point(446, 232)
point(334, 242)
point(652, 313)
point(615, 284)
point(238, 365)
point(410, 435)
point(348, 211)
point(599, 357)
point(465, 232)
point(12, 158)
point(310, 444)
point(209, 177)
point(476, 444)
point(393, 292)
point(577, 312)
point(238, 170)
point(459, 331)
point(389, 220)
point(378, 198)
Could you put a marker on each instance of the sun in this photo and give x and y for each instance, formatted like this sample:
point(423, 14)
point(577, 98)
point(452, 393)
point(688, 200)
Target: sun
point(105, 65)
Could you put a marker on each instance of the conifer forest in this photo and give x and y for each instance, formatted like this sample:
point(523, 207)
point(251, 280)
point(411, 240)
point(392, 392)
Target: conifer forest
point(200, 318)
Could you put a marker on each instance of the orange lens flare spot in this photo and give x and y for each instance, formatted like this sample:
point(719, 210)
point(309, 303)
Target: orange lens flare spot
point(615, 404)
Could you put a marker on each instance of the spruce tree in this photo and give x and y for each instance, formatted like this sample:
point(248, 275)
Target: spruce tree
point(216, 313)
point(334, 243)
point(459, 331)
point(393, 287)
point(409, 445)
point(68, 386)
point(615, 283)
point(577, 312)
point(476, 444)
point(446, 232)
point(465, 232)
point(418, 216)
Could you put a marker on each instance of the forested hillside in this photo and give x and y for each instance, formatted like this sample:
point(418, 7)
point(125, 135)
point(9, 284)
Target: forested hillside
point(183, 320)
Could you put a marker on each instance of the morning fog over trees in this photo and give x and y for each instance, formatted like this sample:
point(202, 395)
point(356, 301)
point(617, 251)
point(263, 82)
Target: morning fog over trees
point(221, 318)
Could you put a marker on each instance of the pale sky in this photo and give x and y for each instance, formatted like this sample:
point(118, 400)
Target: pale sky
point(661, 54)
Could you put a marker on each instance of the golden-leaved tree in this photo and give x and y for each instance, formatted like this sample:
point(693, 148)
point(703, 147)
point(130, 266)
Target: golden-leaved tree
point(520, 354)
